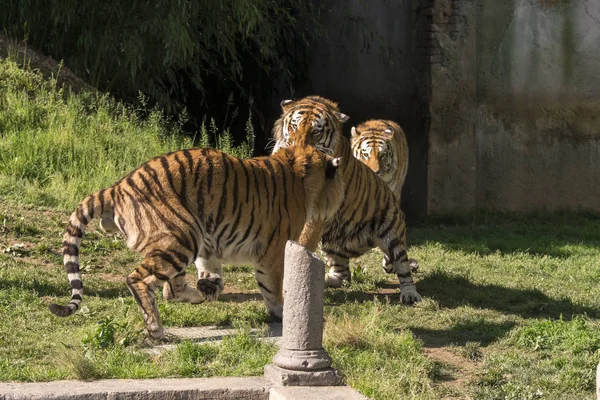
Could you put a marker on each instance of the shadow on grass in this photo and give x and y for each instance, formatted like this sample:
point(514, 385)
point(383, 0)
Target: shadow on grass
point(49, 289)
point(240, 297)
point(453, 291)
point(341, 296)
point(480, 331)
point(536, 234)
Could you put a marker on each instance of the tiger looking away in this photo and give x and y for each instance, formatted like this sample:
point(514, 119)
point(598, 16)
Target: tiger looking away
point(370, 214)
point(201, 204)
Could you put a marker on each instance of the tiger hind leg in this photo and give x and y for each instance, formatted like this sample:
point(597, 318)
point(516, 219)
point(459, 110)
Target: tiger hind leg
point(414, 264)
point(339, 271)
point(210, 278)
point(142, 282)
point(177, 289)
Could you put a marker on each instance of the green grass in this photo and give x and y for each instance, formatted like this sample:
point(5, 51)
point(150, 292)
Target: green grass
point(57, 147)
point(510, 302)
point(498, 318)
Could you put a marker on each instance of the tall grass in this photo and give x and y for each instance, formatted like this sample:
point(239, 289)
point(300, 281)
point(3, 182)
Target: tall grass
point(56, 147)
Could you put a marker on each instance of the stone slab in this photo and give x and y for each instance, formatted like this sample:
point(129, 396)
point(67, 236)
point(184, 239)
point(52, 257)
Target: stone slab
point(314, 393)
point(286, 377)
point(251, 388)
point(213, 335)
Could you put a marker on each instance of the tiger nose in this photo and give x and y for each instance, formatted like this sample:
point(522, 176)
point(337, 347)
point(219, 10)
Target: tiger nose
point(374, 167)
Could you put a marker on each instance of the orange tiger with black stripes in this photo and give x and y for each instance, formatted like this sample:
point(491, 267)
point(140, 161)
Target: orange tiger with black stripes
point(381, 145)
point(201, 204)
point(370, 214)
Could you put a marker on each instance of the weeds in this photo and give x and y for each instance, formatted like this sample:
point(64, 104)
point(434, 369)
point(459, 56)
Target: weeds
point(472, 351)
point(110, 333)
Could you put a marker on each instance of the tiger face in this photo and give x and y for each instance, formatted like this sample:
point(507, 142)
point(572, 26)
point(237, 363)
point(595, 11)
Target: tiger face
point(321, 115)
point(374, 148)
point(382, 146)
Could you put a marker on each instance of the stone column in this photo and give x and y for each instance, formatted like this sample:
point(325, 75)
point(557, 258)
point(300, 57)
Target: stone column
point(301, 360)
point(598, 382)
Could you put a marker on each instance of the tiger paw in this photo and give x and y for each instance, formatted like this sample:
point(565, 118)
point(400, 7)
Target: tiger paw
point(210, 287)
point(276, 314)
point(156, 331)
point(414, 264)
point(334, 280)
point(409, 295)
point(185, 294)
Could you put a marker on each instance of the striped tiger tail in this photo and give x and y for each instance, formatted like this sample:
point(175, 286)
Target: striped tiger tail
point(95, 205)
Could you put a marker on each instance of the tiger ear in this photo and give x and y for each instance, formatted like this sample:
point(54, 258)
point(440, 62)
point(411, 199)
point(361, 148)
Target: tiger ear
point(341, 117)
point(332, 165)
point(353, 132)
point(286, 104)
point(389, 132)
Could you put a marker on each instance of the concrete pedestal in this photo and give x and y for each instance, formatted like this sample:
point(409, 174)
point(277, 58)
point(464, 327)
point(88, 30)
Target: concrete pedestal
point(301, 360)
point(598, 382)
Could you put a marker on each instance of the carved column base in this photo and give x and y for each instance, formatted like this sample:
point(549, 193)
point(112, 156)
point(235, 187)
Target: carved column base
point(287, 377)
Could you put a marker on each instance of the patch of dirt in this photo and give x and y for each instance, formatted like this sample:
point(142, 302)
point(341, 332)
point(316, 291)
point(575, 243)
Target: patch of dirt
point(387, 291)
point(462, 369)
point(111, 277)
point(239, 296)
point(24, 54)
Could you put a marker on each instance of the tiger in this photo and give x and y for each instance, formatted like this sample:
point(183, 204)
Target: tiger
point(381, 145)
point(370, 214)
point(204, 204)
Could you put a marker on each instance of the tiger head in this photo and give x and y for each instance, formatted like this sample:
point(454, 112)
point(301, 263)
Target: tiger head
point(372, 144)
point(322, 116)
point(323, 185)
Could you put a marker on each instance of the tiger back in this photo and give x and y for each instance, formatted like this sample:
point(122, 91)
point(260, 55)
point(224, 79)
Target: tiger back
point(381, 145)
point(204, 204)
point(370, 215)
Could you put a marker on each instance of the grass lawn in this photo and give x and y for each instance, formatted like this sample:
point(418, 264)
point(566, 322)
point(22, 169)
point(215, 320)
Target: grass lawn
point(510, 307)
point(510, 302)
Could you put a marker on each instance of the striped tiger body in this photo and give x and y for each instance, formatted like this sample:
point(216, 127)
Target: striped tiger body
point(203, 204)
point(370, 214)
point(382, 146)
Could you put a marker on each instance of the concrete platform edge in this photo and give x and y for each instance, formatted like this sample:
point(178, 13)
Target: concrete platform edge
point(247, 388)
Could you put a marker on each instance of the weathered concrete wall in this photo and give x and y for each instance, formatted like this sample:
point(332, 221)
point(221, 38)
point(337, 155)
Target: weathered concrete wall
point(448, 38)
point(538, 114)
point(515, 104)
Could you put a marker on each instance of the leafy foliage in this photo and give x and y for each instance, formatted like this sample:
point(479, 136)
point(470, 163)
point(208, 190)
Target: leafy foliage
point(109, 333)
point(166, 47)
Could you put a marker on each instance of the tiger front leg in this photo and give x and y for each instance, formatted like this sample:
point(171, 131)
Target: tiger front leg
point(414, 263)
point(339, 270)
point(210, 278)
point(403, 268)
point(177, 289)
point(269, 277)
